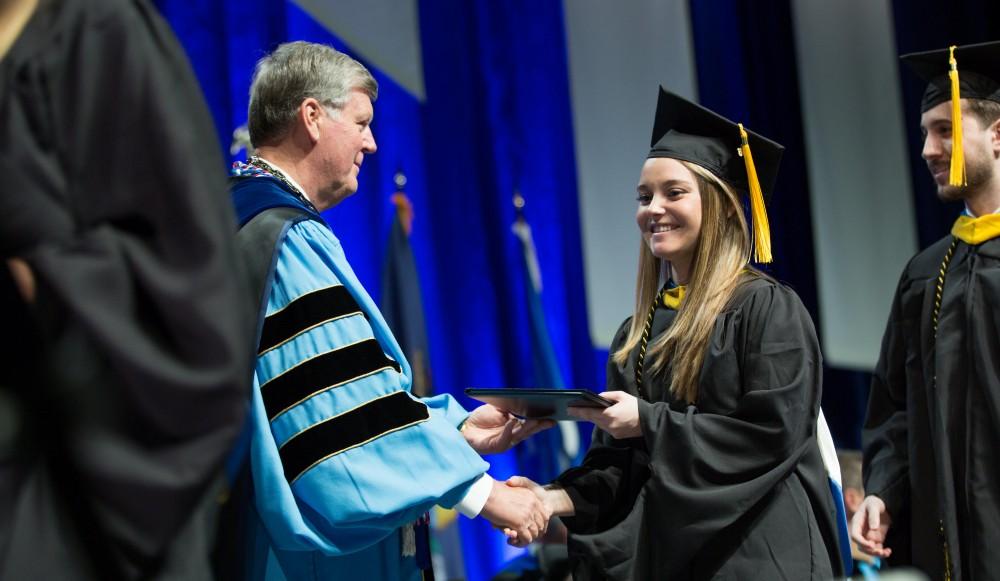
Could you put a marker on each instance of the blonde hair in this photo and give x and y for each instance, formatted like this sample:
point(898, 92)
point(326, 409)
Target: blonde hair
point(720, 258)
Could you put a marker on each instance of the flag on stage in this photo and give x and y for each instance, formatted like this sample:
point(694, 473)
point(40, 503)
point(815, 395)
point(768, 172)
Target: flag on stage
point(403, 310)
point(402, 306)
point(545, 455)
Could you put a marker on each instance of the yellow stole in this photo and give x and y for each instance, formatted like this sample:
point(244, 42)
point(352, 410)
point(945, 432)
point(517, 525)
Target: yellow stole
point(672, 297)
point(975, 231)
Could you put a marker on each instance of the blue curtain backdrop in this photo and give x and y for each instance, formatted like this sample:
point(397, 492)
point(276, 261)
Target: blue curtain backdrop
point(497, 117)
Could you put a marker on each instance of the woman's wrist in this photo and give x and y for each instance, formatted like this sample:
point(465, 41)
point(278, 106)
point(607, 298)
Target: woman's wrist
point(557, 500)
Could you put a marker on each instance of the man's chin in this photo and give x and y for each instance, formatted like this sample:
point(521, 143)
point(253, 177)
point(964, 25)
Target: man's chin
point(947, 193)
point(340, 195)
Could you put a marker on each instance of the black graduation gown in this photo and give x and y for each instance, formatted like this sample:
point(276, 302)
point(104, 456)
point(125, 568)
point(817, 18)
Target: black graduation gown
point(133, 380)
point(931, 452)
point(733, 487)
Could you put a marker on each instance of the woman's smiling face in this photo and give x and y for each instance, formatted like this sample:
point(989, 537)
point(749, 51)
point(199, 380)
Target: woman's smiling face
point(669, 213)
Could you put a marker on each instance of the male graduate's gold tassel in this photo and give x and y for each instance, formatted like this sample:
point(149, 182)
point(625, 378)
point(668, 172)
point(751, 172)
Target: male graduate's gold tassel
point(956, 177)
point(761, 229)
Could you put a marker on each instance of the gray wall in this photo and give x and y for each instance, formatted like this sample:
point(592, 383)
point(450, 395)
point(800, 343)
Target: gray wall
point(862, 213)
point(619, 53)
point(386, 33)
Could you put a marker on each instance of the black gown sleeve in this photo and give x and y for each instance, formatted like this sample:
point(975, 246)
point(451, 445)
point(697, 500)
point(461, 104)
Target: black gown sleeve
point(884, 434)
point(115, 195)
point(603, 488)
point(709, 469)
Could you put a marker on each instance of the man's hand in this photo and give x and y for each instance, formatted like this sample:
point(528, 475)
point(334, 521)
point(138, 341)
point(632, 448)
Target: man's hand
point(517, 510)
point(490, 430)
point(620, 420)
point(870, 526)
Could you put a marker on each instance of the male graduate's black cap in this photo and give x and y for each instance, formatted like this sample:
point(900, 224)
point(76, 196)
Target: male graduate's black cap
point(952, 74)
point(687, 131)
point(978, 68)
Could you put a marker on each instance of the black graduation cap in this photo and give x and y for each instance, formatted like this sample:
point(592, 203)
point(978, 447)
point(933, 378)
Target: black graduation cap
point(687, 131)
point(978, 68)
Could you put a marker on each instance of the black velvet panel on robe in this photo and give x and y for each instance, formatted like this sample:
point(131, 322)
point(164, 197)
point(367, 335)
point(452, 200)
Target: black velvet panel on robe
point(730, 488)
point(931, 451)
point(113, 191)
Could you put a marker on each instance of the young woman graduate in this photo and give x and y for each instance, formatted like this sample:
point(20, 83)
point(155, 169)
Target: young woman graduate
point(707, 466)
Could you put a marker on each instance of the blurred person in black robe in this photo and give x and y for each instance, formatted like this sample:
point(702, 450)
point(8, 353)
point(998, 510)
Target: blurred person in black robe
point(708, 465)
point(126, 362)
point(931, 433)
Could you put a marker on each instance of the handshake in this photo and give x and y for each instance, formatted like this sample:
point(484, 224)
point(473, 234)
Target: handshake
point(519, 507)
point(523, 508)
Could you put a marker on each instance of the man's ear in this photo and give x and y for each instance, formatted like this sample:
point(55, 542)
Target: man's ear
point(995, 138)
point(310, 112)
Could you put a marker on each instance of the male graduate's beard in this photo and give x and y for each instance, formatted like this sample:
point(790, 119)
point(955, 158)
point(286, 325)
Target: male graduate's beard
point(978, 171)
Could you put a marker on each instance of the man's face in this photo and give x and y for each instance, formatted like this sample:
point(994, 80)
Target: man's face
point(935, 124)
point(345, 138)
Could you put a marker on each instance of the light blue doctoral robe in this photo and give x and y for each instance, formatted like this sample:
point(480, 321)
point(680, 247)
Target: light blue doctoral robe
point(342, 455)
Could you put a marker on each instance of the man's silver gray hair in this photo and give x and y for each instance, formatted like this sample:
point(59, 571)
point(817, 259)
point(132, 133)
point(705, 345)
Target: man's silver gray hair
point(294, 72)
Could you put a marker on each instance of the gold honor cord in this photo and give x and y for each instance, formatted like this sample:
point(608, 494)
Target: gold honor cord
point(640, 361)
point(938, 295)
point(671, 298)
point(939, 289)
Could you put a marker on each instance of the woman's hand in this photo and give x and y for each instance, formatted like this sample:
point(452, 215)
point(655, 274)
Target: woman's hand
point(555, 500)
point(620, 420)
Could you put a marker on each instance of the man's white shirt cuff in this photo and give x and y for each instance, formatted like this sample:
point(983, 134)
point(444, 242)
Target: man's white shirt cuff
point(475, 498)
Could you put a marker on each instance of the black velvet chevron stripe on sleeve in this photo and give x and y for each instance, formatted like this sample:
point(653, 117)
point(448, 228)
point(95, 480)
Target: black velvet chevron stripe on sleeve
point(304, 313)
point(350, 429)
point(323, 372)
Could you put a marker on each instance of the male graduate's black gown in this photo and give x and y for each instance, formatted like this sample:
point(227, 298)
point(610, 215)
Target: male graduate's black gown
point(124, 385)
point(932, 451)
point(732, 487)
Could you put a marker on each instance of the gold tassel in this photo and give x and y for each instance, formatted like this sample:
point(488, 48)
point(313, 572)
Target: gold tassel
point(761, 229)
point(956, 176)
